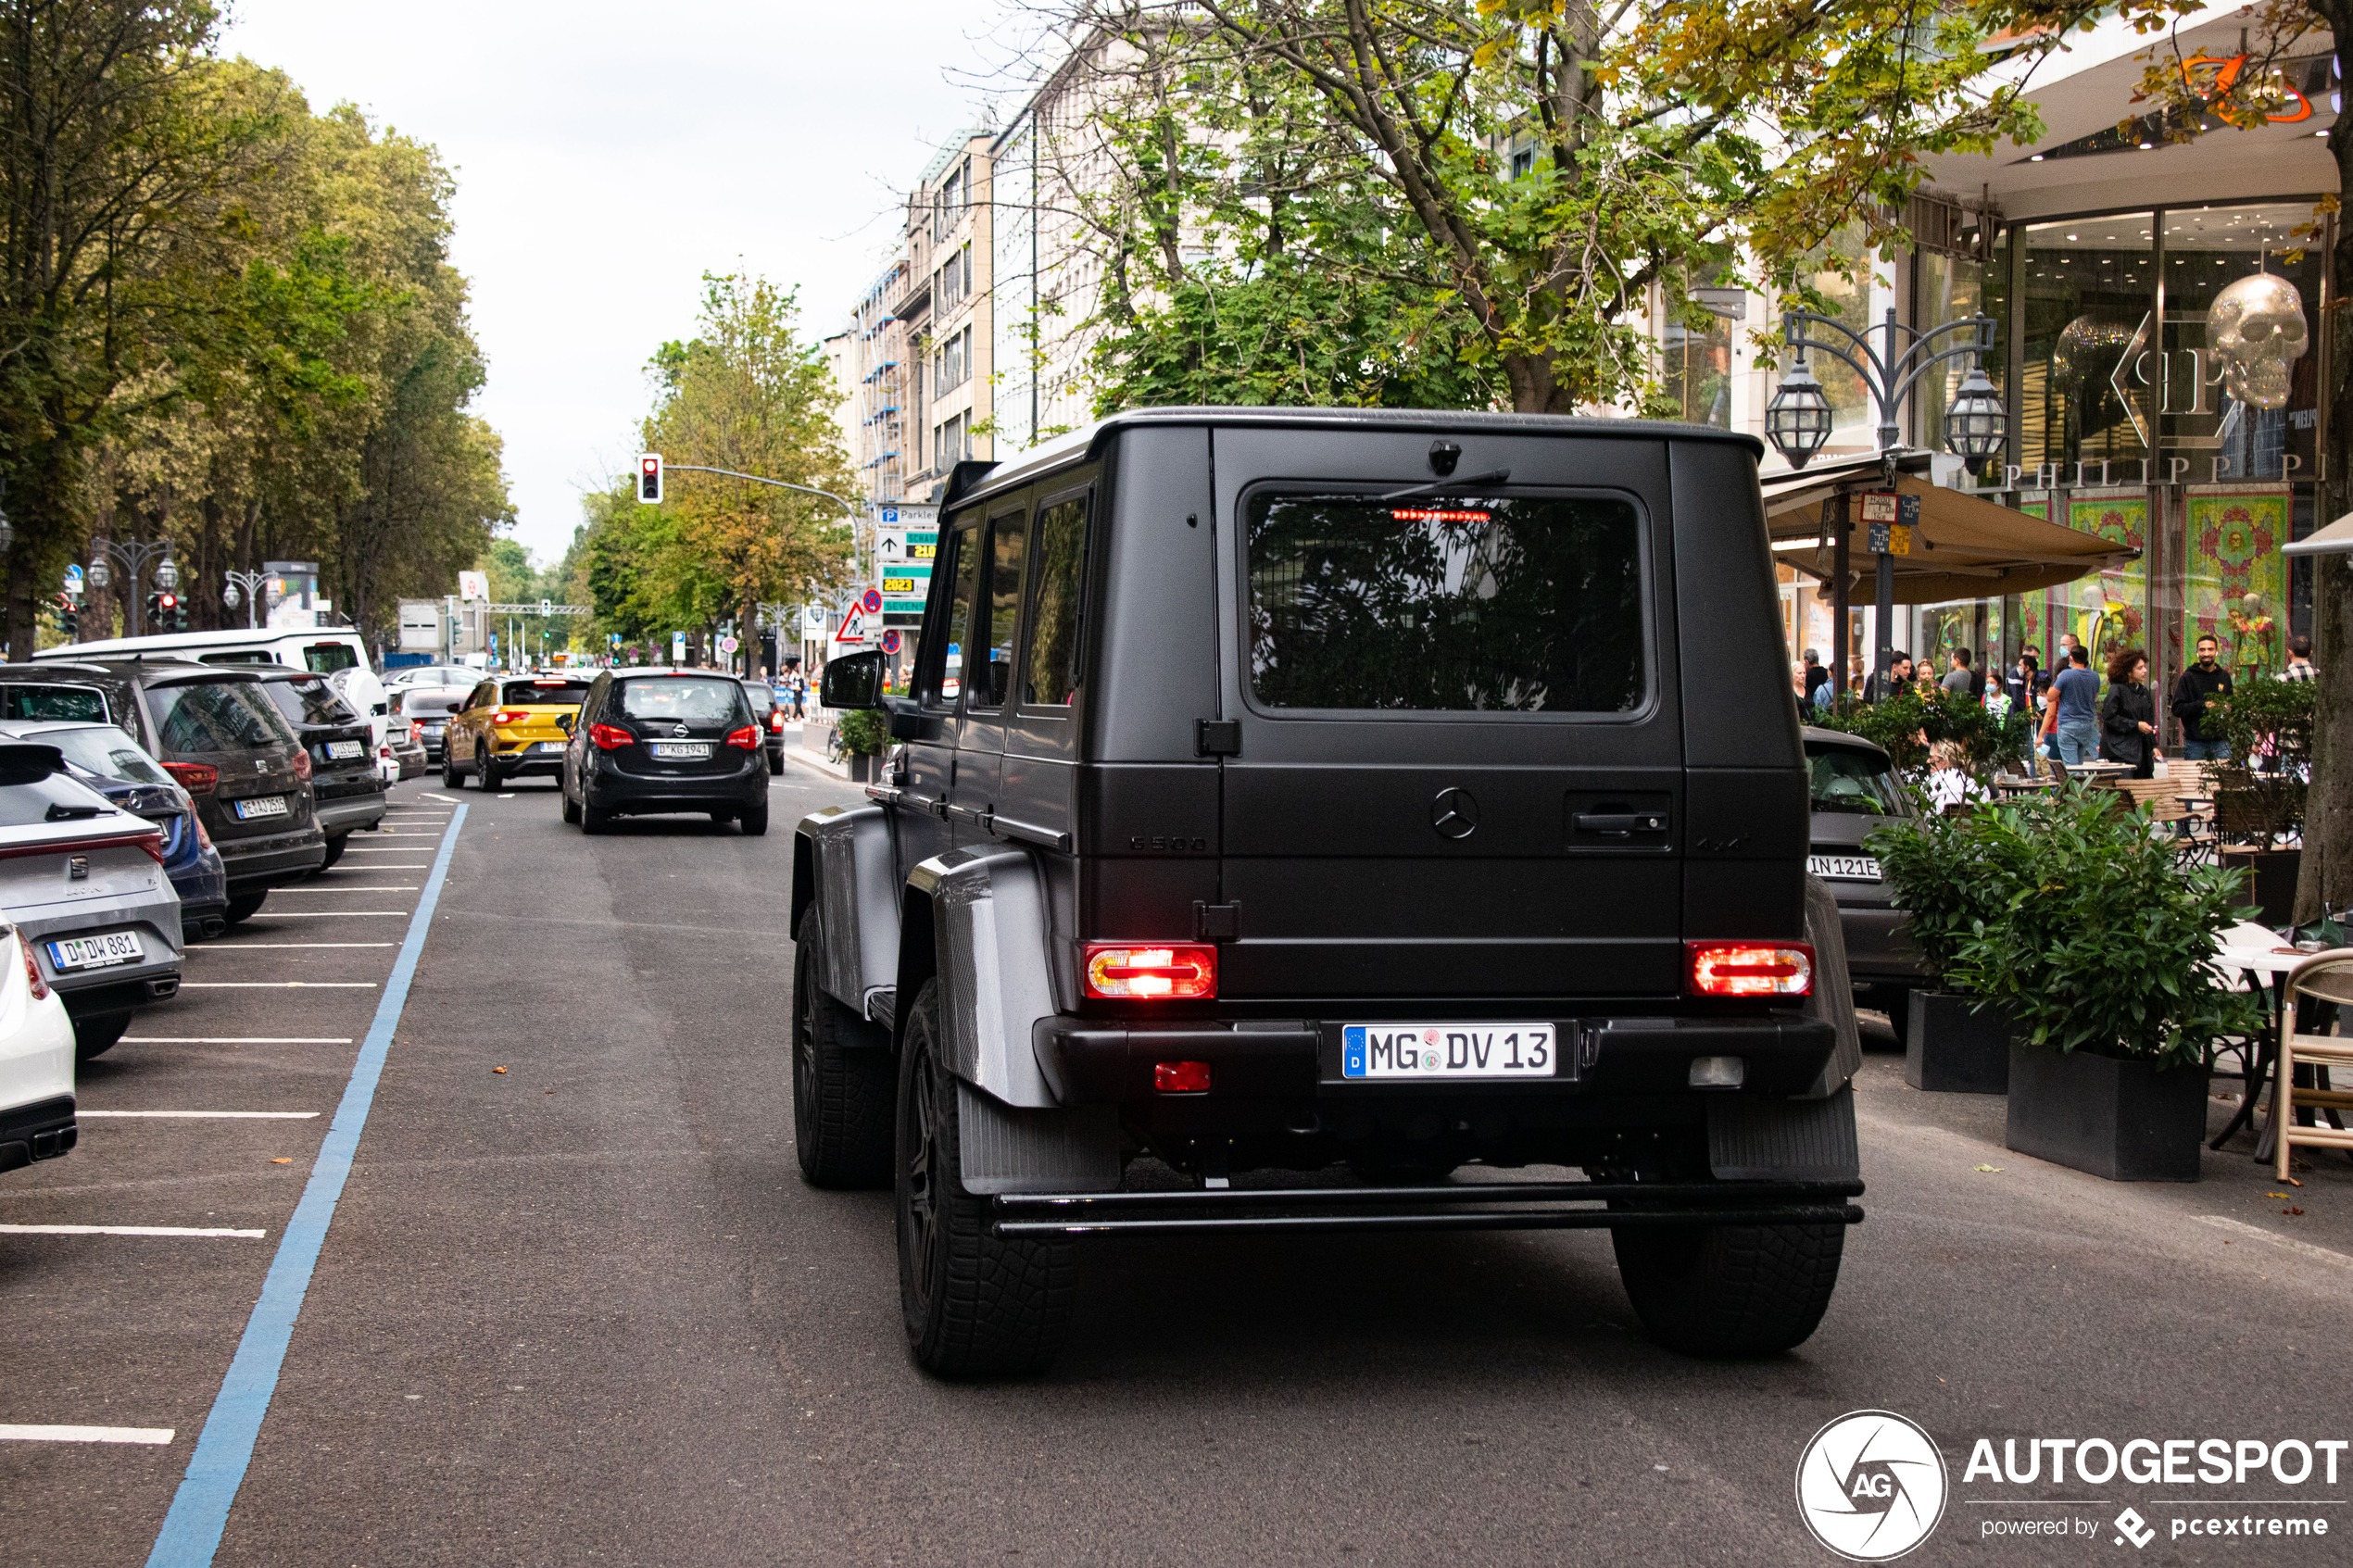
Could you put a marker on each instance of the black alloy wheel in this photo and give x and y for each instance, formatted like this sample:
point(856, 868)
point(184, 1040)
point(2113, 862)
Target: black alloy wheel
point(486, 765)
point(450, 777)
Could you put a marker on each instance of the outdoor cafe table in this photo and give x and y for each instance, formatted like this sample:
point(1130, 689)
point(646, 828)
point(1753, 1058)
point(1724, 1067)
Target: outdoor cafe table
point(2254, 950)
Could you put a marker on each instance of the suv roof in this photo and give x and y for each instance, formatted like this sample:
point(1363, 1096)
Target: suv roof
point(974, 479)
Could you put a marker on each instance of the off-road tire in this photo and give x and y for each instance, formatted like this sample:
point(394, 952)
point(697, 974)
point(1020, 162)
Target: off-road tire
point(754, 820)
point(95, 1037)
point(244, 906)
point(841, 1086)
point(1729, 1291)
point(975, 1305)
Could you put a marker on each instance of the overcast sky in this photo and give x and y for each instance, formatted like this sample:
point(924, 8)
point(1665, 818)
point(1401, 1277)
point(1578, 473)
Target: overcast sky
point(606, 155)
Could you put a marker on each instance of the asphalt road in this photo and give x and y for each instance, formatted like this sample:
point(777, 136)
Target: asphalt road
point(585, 1312)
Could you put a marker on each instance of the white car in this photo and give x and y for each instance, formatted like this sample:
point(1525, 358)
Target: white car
point(36, 1060)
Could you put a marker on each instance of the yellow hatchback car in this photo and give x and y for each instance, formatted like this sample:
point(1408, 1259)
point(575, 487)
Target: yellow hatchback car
point(511, 725)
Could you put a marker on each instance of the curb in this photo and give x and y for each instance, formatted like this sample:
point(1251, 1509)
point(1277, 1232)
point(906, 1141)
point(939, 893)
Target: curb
point(817, 764)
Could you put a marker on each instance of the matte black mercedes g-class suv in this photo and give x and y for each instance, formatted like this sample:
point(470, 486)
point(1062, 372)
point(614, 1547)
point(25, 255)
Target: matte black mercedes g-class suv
point(1293, 790)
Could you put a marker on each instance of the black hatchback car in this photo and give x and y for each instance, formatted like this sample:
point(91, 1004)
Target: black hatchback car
point(653, 741)
point(1361, 793)
point(1853, 789)
point(344, 782)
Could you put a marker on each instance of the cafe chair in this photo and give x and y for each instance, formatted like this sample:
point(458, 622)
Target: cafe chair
point(2323, 977)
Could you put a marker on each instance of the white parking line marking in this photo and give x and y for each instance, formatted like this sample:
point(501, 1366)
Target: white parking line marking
point(372, 887)
point(277, 985)
point(246, 946)
point(236, 1039)
point(328, 914)
point(427, 795)
point(2240, 1227)
point(234, 1115)
point(85, 1434)
point(127, 1230)
point(403, 866)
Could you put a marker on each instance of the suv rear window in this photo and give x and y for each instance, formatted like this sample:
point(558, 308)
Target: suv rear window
point(107, 751)
point(325, 659)
point(684, 699)
point(208, 716)
point(1452, 604)
point(309, 702)
point(1854, 783)
point(53, 705)
point(547, 694)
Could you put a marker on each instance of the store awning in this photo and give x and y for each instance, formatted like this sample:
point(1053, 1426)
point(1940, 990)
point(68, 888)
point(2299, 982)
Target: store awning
point(2336, 539)
point(1964, 548)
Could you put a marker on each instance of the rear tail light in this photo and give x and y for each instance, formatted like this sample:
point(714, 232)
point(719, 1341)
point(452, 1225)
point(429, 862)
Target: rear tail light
point(149, 843)
point(203, 837)
point(152, 844)
point(610, 737)
point(1177, 971)
point(302, 765)
point(1748, 969)
point(196, 778)
point(508, 716)
point(776, 718)
point(746, 737)
point(1180, 1077)
point(32, 970)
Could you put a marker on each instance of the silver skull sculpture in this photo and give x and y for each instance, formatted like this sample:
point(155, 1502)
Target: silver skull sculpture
point(2256, 328)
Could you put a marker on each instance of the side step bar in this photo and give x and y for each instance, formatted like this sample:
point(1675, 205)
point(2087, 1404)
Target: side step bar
point(1474, 1206)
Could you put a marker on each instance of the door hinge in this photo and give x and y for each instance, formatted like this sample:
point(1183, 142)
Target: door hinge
point(1214, 922)
point(1217, 737)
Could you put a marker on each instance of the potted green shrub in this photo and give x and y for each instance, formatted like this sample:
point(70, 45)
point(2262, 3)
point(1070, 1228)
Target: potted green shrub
point(2259, 793)
point(1954, 1042)
point(865, 736)
point(2101, 955)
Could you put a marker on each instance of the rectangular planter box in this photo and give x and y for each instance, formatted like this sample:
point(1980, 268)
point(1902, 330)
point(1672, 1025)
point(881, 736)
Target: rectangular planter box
point(2121, 1120)
point(1952, 1046)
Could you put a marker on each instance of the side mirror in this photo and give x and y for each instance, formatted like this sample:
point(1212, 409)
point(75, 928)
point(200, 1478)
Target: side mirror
point(854, 680)
point(456, 707)
point(565, 721)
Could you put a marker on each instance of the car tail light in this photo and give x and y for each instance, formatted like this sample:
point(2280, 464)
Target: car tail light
point(508, 716)
point(776, 718)
point(32, 970)
point(196, 778)
point(1180, 1077)
point(152, 844)
point(1177, 971)
point(610, 737)
point(302, 765)
point(746, 737)
point(203, 838)
point(1748, 969)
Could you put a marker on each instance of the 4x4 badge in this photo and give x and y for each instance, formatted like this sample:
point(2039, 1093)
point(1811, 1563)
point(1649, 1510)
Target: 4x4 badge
point(1454, 813)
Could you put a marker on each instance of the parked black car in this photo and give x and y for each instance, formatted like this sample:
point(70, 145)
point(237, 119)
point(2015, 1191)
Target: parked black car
point(665, 740)
point(767, 713)
point(1854, 789)
point(214, 730)
point(1336, 791)
point(344, 779)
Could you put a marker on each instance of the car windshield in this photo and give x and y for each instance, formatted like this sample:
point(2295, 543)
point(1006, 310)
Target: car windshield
point(107, 751)
point(206, 716)
point(1447, 604)
point(1855, 782)
point(544, 694)
point(310, 702)
point(53, 705)
point(686, 700)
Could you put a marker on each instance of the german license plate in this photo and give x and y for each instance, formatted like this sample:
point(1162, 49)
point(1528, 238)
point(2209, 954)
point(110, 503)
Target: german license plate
point(96, 952)
point(1446, 1050)
point(682, 751)
point(263, 805)
point(548, 746)
point(343, 751)
point(1843, 868)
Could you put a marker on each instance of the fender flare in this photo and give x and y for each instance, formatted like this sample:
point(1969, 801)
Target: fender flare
point(843, 865)
point(987, 931)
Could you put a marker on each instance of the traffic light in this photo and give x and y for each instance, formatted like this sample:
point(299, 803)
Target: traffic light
point(171, 614)
point(155, 612)
point(69, 621)
point(649, 480)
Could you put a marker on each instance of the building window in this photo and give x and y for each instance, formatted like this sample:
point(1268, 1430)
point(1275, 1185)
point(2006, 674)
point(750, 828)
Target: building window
point(952, 443)
point(955, 280)
point(952, 363)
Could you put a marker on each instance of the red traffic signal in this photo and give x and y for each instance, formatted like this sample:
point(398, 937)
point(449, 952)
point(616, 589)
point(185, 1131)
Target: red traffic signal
point(649, 480)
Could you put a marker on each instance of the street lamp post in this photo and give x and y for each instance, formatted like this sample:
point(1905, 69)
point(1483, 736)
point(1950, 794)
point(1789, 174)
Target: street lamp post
point(105, 554)
point(258, 587)
point(1797, 421)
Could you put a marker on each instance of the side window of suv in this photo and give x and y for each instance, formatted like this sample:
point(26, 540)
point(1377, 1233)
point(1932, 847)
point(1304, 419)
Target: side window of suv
point(1049, 676)
point(1001, 603)
point(944, 675)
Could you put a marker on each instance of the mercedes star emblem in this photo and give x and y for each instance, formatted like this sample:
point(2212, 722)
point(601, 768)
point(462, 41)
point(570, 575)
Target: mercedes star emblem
point(1454, 813)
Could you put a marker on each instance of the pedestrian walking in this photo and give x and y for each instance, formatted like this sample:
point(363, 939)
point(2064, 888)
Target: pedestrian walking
point(2202, 737)
point(2300, 659)
point(2127, 719)
point(2075, 708)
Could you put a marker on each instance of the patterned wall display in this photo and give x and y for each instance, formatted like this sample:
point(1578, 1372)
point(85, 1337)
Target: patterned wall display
point(2233, 549)
point(2109, 609)
point(2035, 609)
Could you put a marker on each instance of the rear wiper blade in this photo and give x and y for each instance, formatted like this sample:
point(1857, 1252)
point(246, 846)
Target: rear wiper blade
point(1444, 485)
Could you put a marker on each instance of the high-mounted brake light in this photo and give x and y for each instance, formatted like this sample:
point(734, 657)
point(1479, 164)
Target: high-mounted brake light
point(196, 778)
point(610, 737)
point(1174, 972)
point(1435, 514)
point(508, 716)
point(32, 970)
point(1748, 969)
point(746, 737)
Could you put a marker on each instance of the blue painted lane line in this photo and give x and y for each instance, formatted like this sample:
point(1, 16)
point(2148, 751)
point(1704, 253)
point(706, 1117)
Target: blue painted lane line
point(190, 1532)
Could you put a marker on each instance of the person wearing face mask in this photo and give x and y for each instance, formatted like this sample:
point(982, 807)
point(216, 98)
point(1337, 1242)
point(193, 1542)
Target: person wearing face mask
point(2194, 694)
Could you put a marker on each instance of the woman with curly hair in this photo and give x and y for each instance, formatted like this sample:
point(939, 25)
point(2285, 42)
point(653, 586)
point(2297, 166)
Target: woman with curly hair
point(2127, 719)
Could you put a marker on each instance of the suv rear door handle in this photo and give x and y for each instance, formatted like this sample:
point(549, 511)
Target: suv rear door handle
point(1620, 822)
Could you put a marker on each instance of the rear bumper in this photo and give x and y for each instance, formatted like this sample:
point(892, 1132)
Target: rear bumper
point(339, 817)
point(111, 991)
point(1098, 1062)
point(1876, 949)
point(254, 864)
point(40, 1131)
point(608, 789)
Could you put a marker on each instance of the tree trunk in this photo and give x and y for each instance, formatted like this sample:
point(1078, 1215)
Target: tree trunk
point(748, 633)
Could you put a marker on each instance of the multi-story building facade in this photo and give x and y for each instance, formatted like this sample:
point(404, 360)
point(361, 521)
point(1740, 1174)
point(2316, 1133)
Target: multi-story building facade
point(943, 306)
